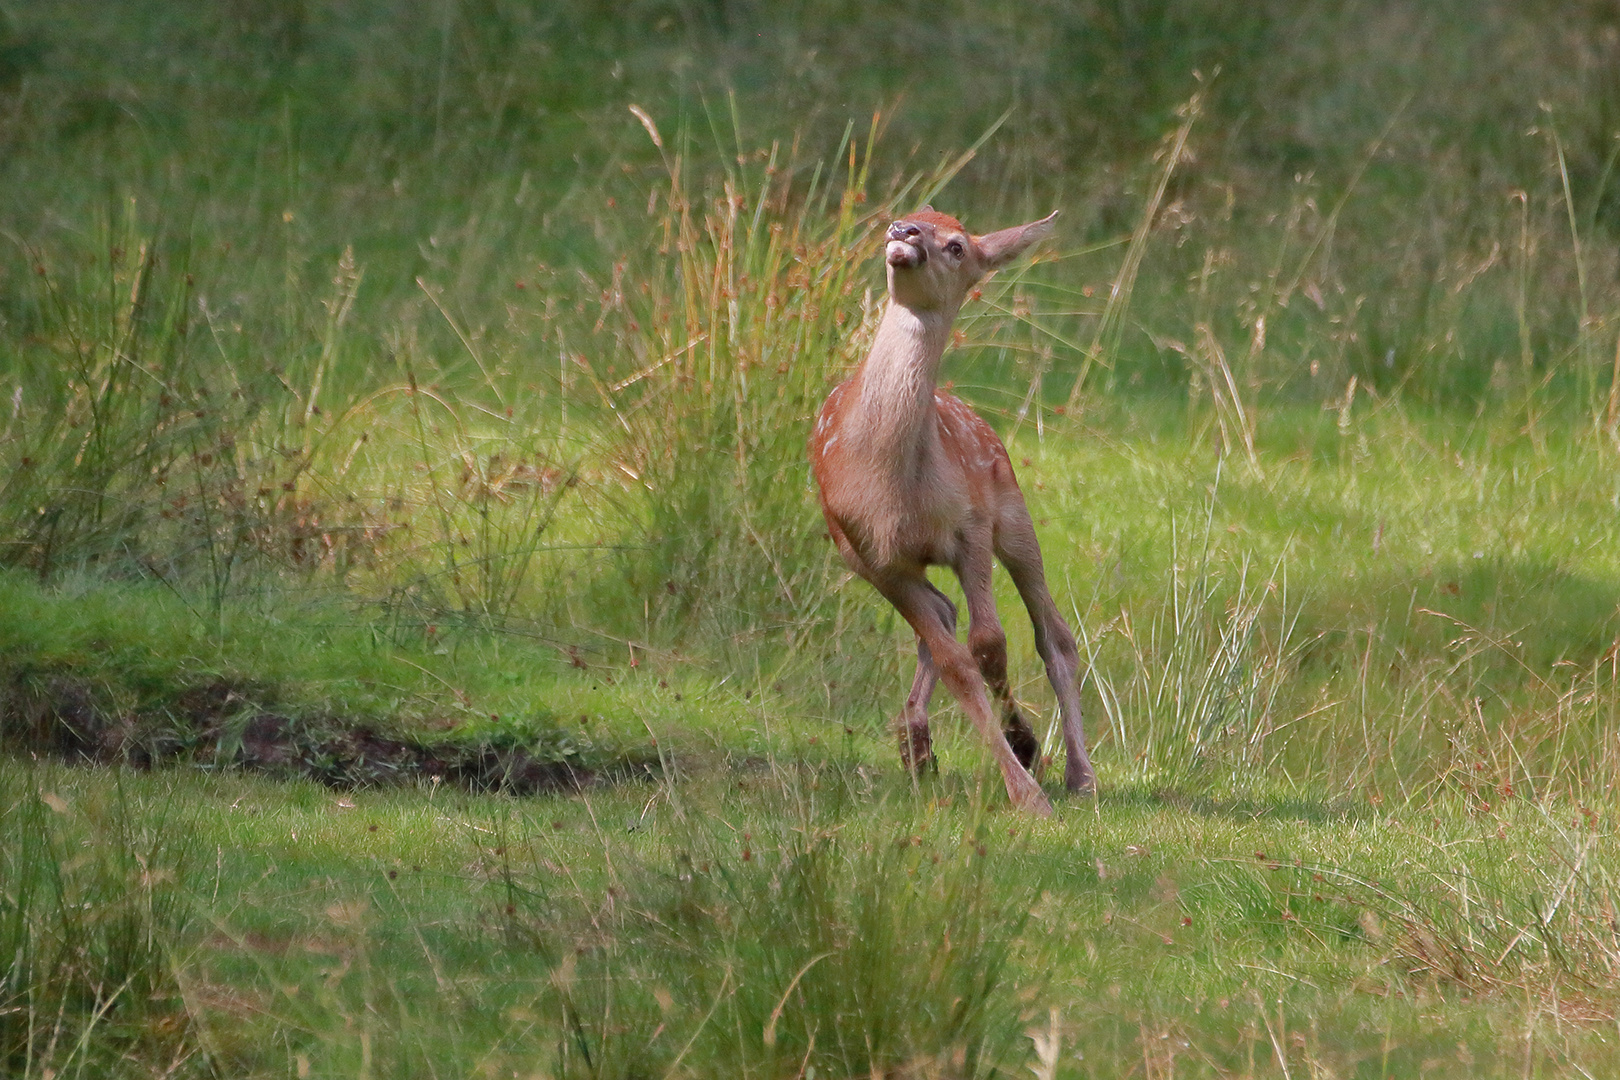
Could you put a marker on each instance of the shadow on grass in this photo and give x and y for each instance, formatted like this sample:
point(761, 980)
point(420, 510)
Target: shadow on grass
point(1526, 615)
point(865, 783)
point(1249, 806)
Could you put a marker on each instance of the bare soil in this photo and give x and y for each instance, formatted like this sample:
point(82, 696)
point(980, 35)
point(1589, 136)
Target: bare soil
point(218, 725)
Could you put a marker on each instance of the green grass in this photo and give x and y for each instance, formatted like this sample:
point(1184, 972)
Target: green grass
point(649, 928)
point(374, 372)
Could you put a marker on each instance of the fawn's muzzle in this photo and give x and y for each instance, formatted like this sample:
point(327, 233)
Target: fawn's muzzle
point(905, 248)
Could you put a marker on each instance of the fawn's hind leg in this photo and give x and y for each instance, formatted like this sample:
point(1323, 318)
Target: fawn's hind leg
point(1020, 553)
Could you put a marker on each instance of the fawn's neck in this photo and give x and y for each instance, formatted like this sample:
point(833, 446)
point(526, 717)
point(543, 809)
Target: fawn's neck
point(894, 409)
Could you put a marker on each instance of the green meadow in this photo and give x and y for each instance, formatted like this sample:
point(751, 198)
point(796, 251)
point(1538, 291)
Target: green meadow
point(420, 655)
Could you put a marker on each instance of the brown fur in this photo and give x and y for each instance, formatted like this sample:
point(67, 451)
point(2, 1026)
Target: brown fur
point(935, 218)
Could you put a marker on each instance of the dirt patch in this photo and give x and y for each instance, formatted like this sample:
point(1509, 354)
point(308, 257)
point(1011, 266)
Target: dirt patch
point(219, 724)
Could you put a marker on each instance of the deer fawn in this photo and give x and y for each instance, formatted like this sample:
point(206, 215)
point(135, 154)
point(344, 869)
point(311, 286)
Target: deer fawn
point(910, 477)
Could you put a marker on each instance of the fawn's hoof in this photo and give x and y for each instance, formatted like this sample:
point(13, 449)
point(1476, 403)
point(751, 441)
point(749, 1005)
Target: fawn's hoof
point(1025, 746)
point(1080, 780)
point(917, 750)
point(1029, 797)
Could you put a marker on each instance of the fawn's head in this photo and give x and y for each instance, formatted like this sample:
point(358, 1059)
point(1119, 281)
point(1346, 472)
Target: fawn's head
point(933, 261)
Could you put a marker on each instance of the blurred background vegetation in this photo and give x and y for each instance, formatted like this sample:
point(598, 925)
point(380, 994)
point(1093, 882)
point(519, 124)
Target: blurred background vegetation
point(1424, 149)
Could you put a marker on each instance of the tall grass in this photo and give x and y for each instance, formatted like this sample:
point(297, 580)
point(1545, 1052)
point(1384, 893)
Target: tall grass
point(93, 909)
point(646, 489)
point(751, 307)
point(112, 409)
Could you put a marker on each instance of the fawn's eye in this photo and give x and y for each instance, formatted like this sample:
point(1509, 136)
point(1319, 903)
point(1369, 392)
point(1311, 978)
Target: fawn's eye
point(955, 248)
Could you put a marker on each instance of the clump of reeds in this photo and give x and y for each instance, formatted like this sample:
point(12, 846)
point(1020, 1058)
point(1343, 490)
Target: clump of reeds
point(1198, 683)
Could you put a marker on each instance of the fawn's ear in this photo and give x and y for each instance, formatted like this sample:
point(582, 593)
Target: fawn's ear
point(999, 248)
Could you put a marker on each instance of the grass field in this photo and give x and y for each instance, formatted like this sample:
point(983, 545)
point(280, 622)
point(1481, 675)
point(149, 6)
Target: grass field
point(420, 654)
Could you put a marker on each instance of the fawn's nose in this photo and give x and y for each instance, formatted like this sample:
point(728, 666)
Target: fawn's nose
point(903, 230)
